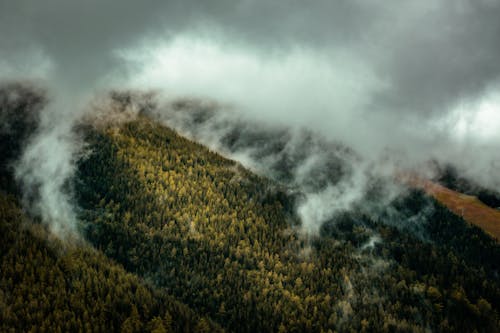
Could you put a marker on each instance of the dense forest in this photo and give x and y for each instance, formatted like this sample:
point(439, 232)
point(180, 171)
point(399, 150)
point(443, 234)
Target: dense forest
point(176, 237)
point(50, 286)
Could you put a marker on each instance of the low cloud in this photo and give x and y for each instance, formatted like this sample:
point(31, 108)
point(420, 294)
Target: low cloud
point(333, 96)
point(45, 168)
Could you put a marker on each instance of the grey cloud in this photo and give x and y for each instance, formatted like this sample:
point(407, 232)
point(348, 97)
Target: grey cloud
point(440, 54)
point(430, 53)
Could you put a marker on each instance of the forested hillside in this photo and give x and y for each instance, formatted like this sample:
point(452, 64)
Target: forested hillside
point(50, 286)
point(175, 237)
point(219, 239)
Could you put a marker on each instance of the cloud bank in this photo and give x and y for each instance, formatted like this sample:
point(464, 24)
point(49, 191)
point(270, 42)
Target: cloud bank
point(400, 83)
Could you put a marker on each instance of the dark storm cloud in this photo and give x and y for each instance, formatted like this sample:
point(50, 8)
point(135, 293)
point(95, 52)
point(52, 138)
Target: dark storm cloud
point(77, 36)
point(437, 55)
point(430, 53)
point(82, 34)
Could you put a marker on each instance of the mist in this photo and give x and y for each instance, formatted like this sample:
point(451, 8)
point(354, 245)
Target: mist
point(334, 96)
point(395, 84)
point(44, 169)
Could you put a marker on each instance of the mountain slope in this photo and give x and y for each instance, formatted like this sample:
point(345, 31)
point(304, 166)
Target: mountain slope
point(218, 238)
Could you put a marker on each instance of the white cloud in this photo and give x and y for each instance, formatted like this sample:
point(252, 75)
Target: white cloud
point(295, 87)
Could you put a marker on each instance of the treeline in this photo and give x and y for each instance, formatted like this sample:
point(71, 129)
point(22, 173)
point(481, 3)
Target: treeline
point(217, 238)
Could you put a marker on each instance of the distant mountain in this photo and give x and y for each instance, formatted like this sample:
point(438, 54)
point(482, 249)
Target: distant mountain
point(183, 239)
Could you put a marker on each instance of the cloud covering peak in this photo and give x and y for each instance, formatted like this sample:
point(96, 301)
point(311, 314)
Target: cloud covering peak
point(405, 81)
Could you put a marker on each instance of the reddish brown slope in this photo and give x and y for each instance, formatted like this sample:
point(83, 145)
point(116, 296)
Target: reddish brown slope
point(469, 207)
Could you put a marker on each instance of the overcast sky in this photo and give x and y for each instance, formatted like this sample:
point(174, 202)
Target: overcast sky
point(419, 77)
